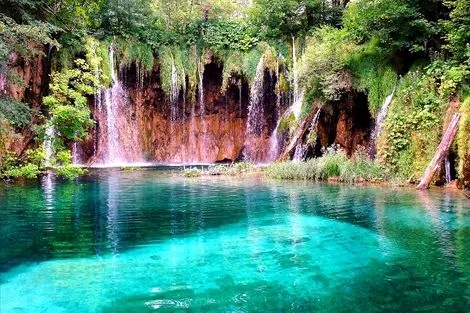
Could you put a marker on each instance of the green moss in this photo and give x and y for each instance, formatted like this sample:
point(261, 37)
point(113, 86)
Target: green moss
point(463, 141)
point(287, 123)
point(413, 127)
point(131, 51)
point(372, 75)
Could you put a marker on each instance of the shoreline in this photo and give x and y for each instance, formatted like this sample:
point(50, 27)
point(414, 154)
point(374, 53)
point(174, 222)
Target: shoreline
point(255, 171)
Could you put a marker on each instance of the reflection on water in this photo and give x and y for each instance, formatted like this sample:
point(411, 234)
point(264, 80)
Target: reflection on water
point(141, 241)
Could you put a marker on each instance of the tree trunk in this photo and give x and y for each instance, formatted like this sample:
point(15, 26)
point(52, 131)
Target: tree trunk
point(441, 153)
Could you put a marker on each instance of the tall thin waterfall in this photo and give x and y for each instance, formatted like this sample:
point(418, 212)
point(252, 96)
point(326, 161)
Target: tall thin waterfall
point(239, 84)
point(75, 156)
point(382, 115)
point(255, 121)
point(274, 139)
point(255, 108)
point(174, 89)
point(117, 133)
point(48, 145)
point(448, 176)
point(298, 95)
point(192, 132)
point(183, 146)
point(200, 74)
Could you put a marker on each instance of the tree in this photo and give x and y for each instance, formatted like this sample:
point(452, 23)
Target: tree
point(395, 24)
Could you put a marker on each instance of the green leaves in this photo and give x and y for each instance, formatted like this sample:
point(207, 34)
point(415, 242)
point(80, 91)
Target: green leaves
point(15, 112)
point(68, 103)
point(396, 24)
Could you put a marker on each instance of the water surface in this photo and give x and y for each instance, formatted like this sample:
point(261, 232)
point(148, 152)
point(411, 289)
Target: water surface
point(145, 241)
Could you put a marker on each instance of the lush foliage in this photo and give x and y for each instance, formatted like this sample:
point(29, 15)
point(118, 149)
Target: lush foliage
point(413, 127)
point(342, 48)
point(463, 141)
point(334, 164)
point(68, 104)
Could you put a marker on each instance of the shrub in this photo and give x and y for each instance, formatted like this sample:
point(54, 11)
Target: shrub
point(29, 170)
point(215, 170)
point(69, 171)
point(192, 172)
point(333, 164)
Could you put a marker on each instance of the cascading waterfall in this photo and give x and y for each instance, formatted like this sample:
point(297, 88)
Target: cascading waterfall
point(202, 108)
point(301, 148)
point(174, 93)
point(184, 117)
point(300, 152)
point(200, 72)
point(113, 155)
point(239, 84)
point(379, 122)
point(448, 176)
point(174, 89)
point(255, 121)
point(75, 156)
point(274, 139)
point(382, 115)
point(298, 95)
point(3, 81)
point(118, 140)
point(48, 145)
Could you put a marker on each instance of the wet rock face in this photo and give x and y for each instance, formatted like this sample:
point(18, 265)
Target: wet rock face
point(346, 122)
point(28, 83)
point(180, 132)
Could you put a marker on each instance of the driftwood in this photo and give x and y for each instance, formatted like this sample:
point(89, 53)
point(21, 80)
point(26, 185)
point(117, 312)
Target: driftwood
point(467, 194)
point(299, 133)
point(441, 153)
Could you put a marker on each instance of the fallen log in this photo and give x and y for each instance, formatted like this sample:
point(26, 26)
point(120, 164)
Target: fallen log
point(467, 194)
point(441, 153)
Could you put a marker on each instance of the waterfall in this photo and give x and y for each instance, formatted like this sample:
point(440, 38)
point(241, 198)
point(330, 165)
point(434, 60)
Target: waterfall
point(200, 72)
point(3, 81)
point(315, 120)
point(240, 96)
point(300, 152)
point(174, 93)
point(112, 96)
point(255, 108)
point(294, 69)
point(298, 95)
point(48, 145)
point(382, 115)
point(75, 156)
point(255, 121)
point(274, 144)
point(274, 139)
point(448, 176)
point(174, 89)
point(113, 155)
point(183, 146)
point(301, 148)
point(201, 140)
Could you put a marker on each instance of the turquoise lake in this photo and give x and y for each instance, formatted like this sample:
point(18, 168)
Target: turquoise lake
point(148, 241)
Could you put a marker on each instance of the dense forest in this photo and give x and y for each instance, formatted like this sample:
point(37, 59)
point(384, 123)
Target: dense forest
point(268, 67)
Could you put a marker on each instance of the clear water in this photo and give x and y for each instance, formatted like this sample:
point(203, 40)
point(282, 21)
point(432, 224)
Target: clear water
point(145, 241)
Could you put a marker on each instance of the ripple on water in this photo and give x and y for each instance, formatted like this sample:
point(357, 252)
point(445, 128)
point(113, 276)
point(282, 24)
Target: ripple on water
point(143, 242)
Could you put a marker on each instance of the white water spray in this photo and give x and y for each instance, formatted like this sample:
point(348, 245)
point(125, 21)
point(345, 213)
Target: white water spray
point(255, 108)
point(382, 115)
point(48, 145)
